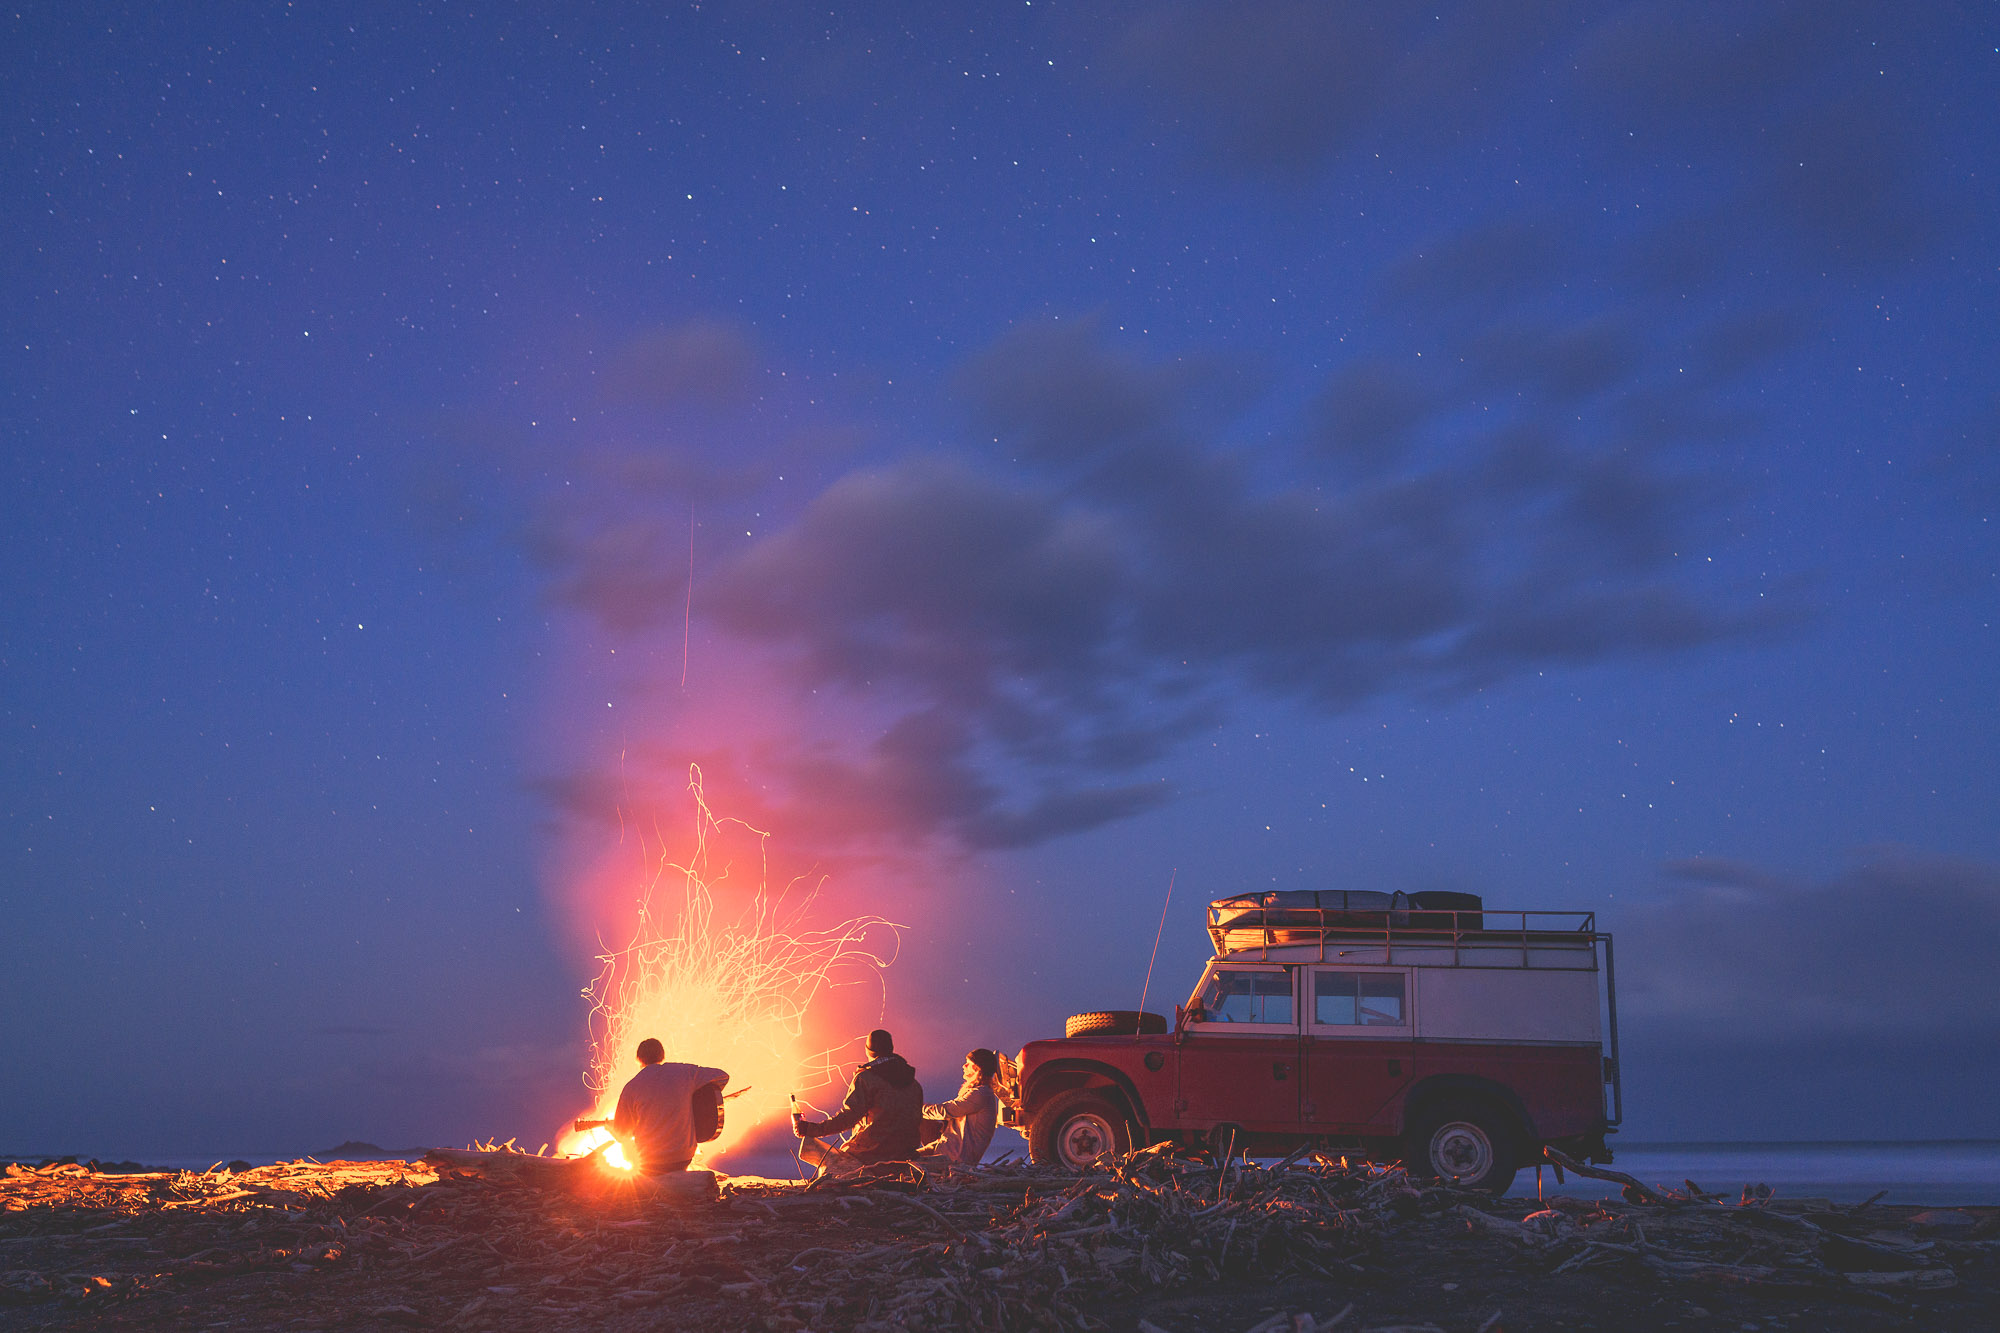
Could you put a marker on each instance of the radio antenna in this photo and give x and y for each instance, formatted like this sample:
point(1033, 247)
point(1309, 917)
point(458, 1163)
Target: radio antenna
point(1156, 939)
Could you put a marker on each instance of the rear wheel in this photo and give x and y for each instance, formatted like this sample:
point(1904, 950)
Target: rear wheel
point(1076, 1129)
point(1466, 1145)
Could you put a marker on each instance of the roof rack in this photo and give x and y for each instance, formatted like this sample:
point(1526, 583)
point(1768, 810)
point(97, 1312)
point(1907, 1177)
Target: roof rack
point(1256, 924)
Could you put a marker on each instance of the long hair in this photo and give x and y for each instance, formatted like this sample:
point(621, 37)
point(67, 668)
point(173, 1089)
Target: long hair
point(987, 1063)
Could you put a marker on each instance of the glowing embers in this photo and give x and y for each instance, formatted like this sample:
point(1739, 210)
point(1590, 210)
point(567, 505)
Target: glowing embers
point(730, 987)
point(590, 1140)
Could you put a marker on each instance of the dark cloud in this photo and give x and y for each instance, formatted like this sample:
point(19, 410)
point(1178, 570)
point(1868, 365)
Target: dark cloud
point(931, 571)
point(1367, 414)
point(1271, 86)
point(1701, 68)
point(1793, 143)
point(922, 777)
point(1681, 412)
point(1060, 395)
point(1564, 363)
point(1050, 626)
point(1549, 620)
point(1479, 269)
point(1780, 102)
point(620, 568)
point(706, 363)
point(604, 511)
point(1890, 946)
point(1038, 618)
point(1624, 511)
point(1050, 388)
point(1059, 814)
point(1849, 177)
point(353, 1031)
point(1692, 257)
point(1742, 343)
point(1281, 88)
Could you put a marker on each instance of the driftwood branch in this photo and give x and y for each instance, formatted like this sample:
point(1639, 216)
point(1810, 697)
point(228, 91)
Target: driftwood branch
point(1636, 1191)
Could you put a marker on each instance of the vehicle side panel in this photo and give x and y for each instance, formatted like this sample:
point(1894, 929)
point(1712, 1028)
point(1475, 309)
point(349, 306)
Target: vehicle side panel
point(1500, 1004)
point(1352, 1085)
point(1058, 1064)
point(1560, 1087)
point(1250, 1080)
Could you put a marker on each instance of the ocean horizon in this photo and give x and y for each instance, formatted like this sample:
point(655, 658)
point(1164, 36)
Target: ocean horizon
point(1941, 1172)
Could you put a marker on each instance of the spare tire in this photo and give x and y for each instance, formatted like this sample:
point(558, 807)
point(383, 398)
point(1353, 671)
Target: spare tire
point(1113, 1023)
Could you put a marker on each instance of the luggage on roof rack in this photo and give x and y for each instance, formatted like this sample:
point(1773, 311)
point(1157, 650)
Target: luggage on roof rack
point(1304, 916)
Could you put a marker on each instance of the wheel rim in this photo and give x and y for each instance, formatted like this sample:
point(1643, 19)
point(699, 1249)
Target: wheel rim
point(1461, 1150)
point(1083, 1139)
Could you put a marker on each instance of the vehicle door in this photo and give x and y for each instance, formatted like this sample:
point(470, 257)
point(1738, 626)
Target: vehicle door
point(1238, 1052)
point(1358, 1046)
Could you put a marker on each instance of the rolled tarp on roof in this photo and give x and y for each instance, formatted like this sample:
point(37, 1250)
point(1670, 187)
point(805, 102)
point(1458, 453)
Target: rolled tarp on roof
point(1300, 915)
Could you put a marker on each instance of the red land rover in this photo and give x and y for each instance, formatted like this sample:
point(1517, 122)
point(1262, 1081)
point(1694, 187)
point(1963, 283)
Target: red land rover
point(1418, 1027)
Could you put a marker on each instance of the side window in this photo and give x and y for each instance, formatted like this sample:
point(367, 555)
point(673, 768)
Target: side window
point(1359, 999)
point(1234, 996)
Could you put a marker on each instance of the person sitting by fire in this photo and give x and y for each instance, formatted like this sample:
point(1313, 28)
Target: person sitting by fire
point(959, 1130)
point(655, 1117)
point(884, 1099)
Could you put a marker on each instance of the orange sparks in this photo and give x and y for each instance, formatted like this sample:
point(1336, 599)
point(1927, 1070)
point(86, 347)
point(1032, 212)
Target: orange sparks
point(728, 989)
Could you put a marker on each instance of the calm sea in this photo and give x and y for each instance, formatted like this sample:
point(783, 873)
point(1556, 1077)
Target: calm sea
point(1941, 1172)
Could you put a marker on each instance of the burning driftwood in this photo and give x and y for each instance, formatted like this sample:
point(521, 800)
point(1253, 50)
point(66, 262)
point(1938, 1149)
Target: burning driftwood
point(70, 1234)
point(506, 1168)
point(488, 1238)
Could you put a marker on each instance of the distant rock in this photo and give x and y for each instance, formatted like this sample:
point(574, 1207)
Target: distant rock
point(88, 1163)
point(353, 1150)
point(120, 1168)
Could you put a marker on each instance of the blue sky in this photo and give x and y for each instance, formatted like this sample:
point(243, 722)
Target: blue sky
point(1549, 455)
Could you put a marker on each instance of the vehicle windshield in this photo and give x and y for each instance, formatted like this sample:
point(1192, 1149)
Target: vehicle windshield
point(1239, 996)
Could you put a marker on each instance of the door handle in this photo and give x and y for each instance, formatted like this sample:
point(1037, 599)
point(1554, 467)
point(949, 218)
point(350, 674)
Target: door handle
point(1280, 1070)
point(1395, 1069)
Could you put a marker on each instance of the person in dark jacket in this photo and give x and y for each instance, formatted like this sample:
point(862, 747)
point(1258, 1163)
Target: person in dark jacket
point(885, 1100)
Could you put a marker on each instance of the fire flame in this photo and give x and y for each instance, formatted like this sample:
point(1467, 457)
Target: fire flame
point(727, 990)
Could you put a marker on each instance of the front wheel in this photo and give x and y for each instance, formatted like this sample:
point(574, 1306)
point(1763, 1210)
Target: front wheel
point(1467, 1146)
point(1075, 1130)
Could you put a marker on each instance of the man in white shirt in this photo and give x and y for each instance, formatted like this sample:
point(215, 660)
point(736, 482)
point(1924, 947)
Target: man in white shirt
point(655, 1119)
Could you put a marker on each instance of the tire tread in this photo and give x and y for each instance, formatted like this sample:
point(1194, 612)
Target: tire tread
point(1113, 1023)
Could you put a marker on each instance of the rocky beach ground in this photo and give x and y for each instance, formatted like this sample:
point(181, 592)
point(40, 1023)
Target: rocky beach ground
point(1153, 1243)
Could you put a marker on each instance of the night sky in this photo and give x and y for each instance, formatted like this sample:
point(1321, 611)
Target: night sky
point(1022, 455)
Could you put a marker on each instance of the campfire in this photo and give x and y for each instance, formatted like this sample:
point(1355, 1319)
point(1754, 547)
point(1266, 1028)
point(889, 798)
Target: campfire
point(731, 987)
